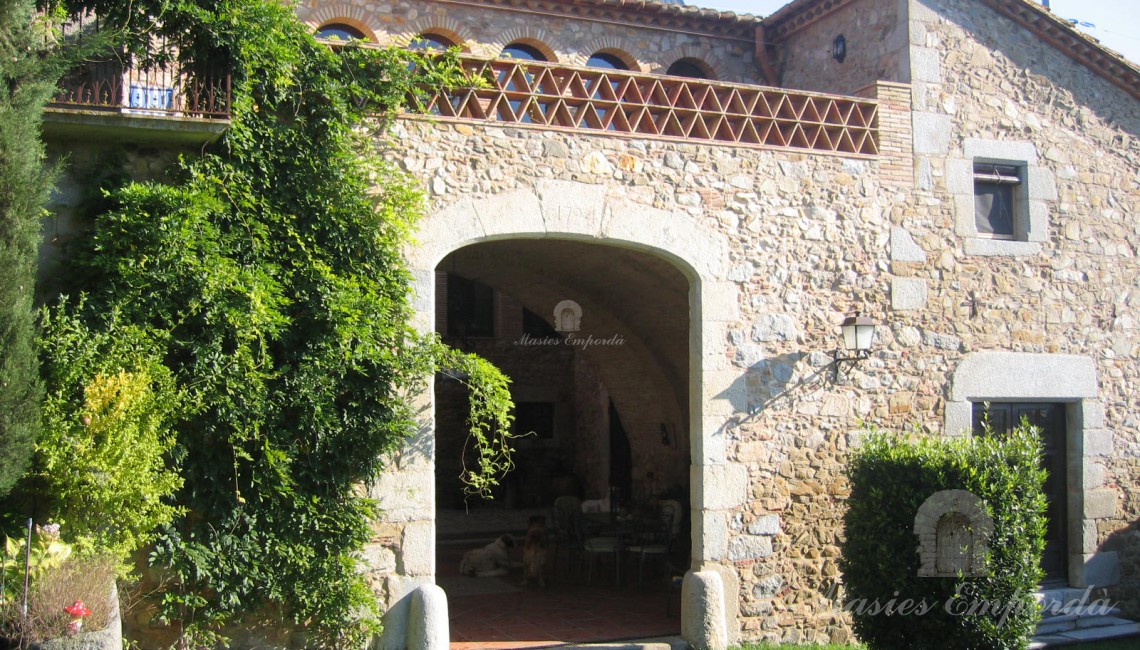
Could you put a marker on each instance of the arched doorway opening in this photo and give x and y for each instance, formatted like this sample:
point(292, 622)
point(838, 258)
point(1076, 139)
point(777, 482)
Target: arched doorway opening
point(596, 340)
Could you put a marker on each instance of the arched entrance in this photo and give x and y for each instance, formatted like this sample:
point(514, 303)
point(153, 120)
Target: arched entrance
point(595, 340)
point(579, 212)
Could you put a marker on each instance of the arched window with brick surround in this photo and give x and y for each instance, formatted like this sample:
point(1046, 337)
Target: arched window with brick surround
point(607, 60)
point(431, 42)
point(523, 51)
point(335, 31)
point(690, 67)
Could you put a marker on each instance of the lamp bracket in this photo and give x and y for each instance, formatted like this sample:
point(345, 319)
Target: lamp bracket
point(838, 359)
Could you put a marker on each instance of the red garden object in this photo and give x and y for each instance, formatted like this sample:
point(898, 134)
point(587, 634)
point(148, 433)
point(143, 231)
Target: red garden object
point(78, 612)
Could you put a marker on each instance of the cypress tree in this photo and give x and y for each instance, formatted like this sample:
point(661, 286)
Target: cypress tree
point(27, 82)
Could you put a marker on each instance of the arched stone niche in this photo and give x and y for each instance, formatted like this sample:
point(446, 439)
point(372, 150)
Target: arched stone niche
point(567, 316)
point(954, 531)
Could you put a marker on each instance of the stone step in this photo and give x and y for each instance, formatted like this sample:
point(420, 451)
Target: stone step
point(1064, 601)
point(1081, 635)
point(1089, 611)
point(1073, 622)
point(665, 643)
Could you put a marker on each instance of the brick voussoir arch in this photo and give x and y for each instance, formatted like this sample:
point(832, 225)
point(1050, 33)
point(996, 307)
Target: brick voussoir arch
point(344, 13)
point(445, 26)
point(618, 46)
point(546, 42)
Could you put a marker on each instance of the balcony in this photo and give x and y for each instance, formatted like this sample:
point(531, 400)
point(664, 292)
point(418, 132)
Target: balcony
point(107, 86)
point(614, 102)
point(113, 99)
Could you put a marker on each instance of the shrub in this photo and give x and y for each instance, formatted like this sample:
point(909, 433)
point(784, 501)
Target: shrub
point(890, 479)
point(100, 465)
point(271, 269)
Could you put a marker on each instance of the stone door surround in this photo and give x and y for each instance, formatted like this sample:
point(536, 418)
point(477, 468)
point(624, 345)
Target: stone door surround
point(1027, 377)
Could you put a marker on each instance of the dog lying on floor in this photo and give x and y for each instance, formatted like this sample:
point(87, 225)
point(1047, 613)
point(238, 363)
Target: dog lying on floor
point(492, 560)
point(534, 551)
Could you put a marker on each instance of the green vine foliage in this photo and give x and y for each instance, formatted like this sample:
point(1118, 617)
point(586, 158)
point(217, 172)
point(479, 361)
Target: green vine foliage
point(272, 274)
point(488, 420)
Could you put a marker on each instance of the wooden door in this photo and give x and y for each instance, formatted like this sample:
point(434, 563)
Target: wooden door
point(1050, 421)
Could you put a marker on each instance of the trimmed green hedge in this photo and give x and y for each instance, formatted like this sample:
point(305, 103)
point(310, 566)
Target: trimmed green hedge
point(891, 605)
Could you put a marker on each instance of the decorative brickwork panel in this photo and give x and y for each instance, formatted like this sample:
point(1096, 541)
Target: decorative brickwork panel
point(618, 102)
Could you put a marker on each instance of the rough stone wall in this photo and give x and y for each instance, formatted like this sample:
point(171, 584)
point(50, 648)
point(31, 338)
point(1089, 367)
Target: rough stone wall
point(808, 242)
point(484, 30)
point(812, 238)
point(876, 35)
point(986, 79)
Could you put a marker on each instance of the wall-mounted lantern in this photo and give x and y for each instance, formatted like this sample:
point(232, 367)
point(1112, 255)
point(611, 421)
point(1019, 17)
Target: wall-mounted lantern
point(839, 48)
point(858, 332)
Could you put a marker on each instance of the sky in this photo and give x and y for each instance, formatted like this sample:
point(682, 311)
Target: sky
point(1115, 23)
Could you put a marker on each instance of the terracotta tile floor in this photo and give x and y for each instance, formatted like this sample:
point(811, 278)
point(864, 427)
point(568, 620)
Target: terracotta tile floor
point(498, 613)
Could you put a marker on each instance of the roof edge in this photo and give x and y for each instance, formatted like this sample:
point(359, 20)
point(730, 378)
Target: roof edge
point(1077, 45)
point(1035, 18)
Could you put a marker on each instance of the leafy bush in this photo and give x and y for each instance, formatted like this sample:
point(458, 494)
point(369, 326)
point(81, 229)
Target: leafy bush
point(272, 274)
point(890, 479)
point(101, 463)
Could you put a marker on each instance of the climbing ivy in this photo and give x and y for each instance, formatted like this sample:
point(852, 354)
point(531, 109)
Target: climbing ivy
point(272, 276)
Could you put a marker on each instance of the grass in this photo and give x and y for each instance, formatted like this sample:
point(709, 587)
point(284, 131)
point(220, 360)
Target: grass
point(814, 646)
point(1130, 643)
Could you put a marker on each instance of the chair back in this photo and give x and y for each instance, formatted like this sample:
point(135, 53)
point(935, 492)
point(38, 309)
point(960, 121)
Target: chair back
point(666, 515)
point(673, 507)
point(563, 511)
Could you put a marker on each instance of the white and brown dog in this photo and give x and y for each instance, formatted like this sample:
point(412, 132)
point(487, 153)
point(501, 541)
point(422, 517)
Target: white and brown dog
point(492, 560)
point(534, 551)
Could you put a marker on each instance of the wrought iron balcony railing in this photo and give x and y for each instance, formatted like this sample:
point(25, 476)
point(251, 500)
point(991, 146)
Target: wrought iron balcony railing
point(619, 102)
point(113, 86)
point(118, 85)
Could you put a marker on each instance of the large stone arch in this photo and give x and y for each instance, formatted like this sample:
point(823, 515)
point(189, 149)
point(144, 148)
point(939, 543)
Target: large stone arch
point(579, 211)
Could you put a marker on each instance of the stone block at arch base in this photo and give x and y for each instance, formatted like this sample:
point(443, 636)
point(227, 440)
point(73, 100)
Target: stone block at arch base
point(703, 614)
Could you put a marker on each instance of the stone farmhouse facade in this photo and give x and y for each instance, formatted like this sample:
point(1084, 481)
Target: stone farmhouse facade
point(715, 193)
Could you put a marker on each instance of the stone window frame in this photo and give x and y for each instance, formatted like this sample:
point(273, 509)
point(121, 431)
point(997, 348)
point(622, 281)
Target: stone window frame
point(1031, 197)
point(1059, 378)
point(623, 60)
point(536, 51)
